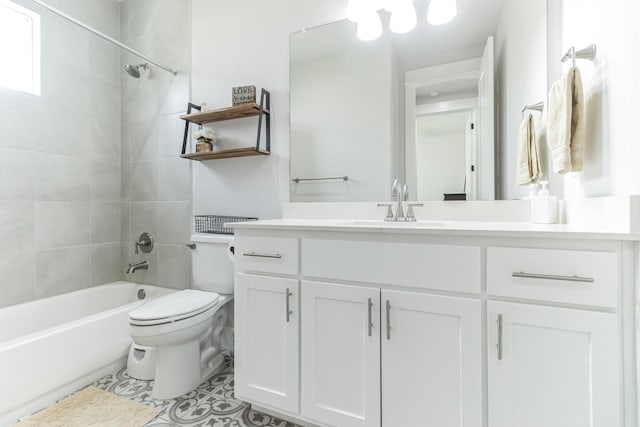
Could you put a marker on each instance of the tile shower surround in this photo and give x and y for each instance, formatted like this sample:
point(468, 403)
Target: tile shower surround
point(156, 182)
point(94, 161)
point(60, 162)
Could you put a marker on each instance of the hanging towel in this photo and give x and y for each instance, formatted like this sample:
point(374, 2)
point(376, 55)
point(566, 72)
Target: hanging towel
point(528, 168)
point(565, 123)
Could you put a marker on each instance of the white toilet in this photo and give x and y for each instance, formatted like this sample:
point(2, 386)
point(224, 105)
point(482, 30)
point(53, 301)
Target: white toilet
point(184, 328)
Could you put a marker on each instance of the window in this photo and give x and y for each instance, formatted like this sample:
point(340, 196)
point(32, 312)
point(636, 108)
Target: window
point(19, 48)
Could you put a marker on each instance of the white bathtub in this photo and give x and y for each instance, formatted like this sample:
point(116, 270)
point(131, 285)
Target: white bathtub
point(53, 346)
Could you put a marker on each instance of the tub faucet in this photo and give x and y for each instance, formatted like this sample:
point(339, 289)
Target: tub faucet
point(144, 265)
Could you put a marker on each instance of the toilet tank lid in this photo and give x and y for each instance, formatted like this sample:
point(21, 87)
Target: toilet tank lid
point(211, 238)
point(174, 304)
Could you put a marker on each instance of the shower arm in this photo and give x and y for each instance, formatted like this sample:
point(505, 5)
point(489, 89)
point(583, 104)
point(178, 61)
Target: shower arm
point(104, 36)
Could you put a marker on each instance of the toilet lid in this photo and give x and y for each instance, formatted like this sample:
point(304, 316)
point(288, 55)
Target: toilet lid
point(179, 304)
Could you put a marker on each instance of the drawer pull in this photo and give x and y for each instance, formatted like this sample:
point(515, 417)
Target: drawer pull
point(553, 277)
point(288, 305)
point(499, 336)
point(388, 310)
point(260, 255)
point(369, 319)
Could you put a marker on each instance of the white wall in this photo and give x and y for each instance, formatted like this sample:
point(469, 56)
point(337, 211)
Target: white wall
point(610, 82)
point(612, 93)
point(521, 79)
point(247, 42)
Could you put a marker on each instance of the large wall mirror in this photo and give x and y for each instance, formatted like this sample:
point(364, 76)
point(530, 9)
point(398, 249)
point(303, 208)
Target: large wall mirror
point(427, 107)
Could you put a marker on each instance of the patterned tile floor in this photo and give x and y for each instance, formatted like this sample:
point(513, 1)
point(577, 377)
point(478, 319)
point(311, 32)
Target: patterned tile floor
point(210, 405)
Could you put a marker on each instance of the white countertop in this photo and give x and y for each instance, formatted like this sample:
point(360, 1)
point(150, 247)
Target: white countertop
point(438, 227)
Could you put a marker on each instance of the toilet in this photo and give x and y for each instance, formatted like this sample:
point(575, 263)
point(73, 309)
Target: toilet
point(181, 332)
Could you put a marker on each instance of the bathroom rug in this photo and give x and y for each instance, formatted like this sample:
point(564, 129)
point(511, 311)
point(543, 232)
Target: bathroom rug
point(92, 407)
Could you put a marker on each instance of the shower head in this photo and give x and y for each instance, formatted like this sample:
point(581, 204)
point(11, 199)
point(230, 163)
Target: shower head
point(134, 70)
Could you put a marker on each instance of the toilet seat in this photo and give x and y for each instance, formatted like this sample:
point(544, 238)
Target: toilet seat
point(173, 308)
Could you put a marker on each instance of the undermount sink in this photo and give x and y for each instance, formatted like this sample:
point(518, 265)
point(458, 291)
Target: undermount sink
point(402, 224)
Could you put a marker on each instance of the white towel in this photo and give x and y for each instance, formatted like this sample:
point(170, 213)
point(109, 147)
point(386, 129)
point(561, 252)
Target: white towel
point(565, 123)
point(528, 168)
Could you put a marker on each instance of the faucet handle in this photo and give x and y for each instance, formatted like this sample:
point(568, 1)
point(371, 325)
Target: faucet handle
point(405, 193)
point(389, 216)
point(410, 215)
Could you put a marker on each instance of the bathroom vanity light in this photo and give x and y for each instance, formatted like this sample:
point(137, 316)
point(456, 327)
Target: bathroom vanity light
point(403, 15)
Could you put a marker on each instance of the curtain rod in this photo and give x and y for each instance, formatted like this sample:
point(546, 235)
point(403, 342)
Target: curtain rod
point(104, 36)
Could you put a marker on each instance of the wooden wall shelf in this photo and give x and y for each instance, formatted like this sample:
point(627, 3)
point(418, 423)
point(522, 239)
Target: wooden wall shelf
point(248, 110)
point(222, 114)
point(225, 154)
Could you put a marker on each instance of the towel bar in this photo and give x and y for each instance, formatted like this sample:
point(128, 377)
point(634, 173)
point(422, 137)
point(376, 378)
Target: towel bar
point(539, 106)
point(298, 180)
point(588, 53)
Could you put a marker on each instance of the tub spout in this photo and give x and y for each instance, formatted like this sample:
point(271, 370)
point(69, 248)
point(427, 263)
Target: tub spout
point(144, 265)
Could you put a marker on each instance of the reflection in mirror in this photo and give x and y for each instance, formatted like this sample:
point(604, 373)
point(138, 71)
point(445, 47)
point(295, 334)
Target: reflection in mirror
point(352, 115)
point(441, 154)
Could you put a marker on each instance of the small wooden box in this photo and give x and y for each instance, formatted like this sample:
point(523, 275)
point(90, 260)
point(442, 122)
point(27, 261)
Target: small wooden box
point(241, 95)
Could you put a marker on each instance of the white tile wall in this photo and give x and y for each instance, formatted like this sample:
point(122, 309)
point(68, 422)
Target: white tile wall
point(155, 179)
point(105, 222)
point(17, 278)
point(62, 270)
point(61, 178)
point(60, 224)
point(94, 161)
point(16, 174)
point(60, 190)
point(17, 226)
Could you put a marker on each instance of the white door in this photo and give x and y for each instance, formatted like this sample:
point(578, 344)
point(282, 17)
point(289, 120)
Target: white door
point(552, 367)
point(341, 354)
point(486, 123)
point(266, 341)
point(431, 361)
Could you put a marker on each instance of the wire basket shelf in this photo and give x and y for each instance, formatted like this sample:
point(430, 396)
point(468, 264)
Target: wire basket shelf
point(214, 224)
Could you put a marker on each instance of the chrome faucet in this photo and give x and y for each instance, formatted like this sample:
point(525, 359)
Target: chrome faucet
point(401, 193)
point(144, 265)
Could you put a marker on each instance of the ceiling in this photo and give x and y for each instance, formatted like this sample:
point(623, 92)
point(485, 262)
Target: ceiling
point(426, 45)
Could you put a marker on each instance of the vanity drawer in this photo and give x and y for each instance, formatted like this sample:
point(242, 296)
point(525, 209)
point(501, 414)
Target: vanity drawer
point(266, 254)
point(440, 267)
point(566, 276)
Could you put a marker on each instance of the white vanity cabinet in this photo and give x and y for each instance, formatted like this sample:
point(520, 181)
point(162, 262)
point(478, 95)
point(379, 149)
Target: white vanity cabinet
point(340, 354)
point(435, 330)
point(552, 367)
point(267, 323)
point(547, 365)
point(431, 360)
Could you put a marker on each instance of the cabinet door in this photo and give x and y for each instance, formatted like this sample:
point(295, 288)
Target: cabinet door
point(431, 361)
point(266, 341)
point(340, 354)
point(552, 367)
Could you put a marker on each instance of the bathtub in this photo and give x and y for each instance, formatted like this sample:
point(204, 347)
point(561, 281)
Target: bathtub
point(53, 346)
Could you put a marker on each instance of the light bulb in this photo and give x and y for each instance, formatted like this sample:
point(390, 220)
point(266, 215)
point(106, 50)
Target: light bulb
point(403, 18)
point(441, 11)
point(370, 27)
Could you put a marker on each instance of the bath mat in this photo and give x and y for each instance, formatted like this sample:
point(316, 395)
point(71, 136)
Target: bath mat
point(92, 407)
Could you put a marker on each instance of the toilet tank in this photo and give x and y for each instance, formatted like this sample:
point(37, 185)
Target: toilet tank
point(211, 267)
